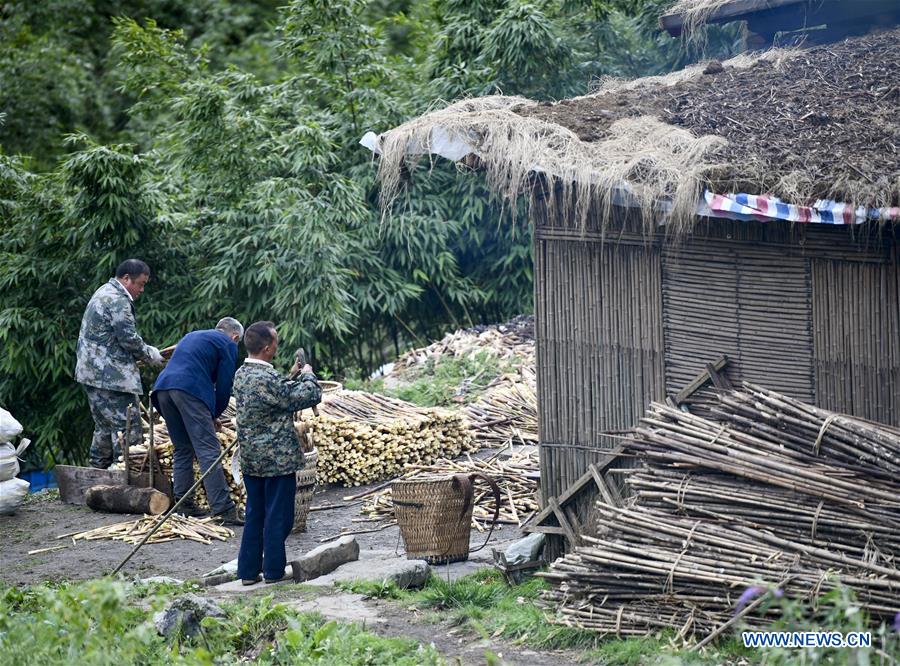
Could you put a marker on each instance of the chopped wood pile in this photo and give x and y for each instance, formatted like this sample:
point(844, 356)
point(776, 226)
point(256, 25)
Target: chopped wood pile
point(769, 491)
point(365, 437)
point(176, 528)
point(514, 339)
point(514, 471)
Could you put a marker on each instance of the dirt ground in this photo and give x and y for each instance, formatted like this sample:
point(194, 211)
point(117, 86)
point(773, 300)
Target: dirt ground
point(40, 521)
point(38, 524)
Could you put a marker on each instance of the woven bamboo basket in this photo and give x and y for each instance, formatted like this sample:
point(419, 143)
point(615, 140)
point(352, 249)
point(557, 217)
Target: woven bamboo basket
point(306, 484)
point(435, 515)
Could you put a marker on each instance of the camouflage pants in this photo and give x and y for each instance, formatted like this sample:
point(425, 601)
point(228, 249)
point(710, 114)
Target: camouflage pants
point(110, 412)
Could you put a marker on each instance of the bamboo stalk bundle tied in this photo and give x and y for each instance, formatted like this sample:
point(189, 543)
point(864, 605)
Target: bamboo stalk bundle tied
point(365, 437)
point(767, 491)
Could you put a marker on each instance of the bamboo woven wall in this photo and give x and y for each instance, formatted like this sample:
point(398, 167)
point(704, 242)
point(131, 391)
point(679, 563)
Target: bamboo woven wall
point(752, 304)
point(623, 318)
point(856, 312)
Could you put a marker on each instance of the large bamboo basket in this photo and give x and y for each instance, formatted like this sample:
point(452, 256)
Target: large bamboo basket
point(306, 484)
point(435, 515)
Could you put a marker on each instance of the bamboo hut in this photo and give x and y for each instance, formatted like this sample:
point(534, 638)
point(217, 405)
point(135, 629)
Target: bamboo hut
point(743, 208)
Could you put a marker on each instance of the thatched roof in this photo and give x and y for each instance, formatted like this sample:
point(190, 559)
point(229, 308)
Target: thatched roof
point(801, 125)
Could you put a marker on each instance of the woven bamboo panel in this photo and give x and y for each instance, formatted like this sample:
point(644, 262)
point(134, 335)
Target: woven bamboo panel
point(752, 304)
point(856, 309)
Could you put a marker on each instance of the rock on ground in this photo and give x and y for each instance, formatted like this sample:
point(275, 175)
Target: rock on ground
point(184, 614)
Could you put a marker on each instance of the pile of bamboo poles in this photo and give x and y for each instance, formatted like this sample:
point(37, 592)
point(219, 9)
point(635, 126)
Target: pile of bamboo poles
point(175, 528)
point(513, 470)
point(512, 340)
point(364, 437)
point(508, 413)
point(648, 570)
point(769, 491)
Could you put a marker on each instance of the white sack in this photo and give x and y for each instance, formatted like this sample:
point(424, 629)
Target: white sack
point(9, 463)
point(12, 494)
point(9, 427)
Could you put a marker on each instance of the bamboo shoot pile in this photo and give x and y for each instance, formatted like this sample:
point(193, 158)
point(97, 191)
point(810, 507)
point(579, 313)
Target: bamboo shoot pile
point(365, 437)
point(769, 491)
point(517, 488)
point(175, 528)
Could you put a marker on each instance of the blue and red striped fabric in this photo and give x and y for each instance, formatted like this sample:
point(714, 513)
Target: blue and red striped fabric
point(763, 208)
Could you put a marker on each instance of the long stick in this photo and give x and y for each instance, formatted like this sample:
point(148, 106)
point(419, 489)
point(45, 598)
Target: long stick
point(165, 516)
point(737, 616)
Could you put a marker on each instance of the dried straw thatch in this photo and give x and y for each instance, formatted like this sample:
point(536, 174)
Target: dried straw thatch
point(801, 125)
point(656, 160)
point(695, 14)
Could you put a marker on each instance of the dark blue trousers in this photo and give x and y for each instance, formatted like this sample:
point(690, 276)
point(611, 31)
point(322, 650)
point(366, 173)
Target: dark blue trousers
point(269, 520)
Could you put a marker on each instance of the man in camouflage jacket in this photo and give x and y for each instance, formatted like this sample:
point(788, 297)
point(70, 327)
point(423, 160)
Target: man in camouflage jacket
point(270, 451)
point(106, 357)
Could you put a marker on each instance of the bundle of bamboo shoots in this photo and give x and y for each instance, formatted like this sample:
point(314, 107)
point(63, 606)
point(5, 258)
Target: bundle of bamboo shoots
point(365, 437)
point(772, 492)
point(513, 470)
point(175, 528)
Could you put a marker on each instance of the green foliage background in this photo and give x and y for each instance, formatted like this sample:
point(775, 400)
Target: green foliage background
point(218, 140)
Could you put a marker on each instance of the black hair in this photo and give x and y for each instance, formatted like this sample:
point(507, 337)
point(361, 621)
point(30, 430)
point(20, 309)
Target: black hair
point(258, 335)
point(132, 267)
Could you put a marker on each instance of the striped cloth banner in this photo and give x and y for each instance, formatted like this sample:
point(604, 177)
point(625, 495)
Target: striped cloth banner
point(754, 207)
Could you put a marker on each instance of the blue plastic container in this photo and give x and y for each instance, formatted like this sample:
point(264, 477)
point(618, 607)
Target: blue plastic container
point(39, 480)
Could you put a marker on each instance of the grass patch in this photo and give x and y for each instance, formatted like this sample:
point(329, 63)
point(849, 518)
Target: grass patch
point(106, 622)
point(452, 381)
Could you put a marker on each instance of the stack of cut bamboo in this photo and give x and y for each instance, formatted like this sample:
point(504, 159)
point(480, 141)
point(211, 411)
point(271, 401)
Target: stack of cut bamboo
point(176, 528)
point(164, 454)
point(513, 470)
point(364, 437)
point(514, 339)
point(508, 413)
point(773, 492)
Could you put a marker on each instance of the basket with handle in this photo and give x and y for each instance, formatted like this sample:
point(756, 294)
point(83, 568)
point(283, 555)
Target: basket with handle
point(435, 516)
point(306, 484)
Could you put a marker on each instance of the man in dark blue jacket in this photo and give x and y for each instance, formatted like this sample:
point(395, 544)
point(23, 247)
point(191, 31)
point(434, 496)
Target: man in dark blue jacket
point(191, 393)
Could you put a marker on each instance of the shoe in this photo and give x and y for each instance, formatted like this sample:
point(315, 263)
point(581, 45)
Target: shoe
point(269, 581)
point(230, 517)
point(190, 509)
point(251, 581)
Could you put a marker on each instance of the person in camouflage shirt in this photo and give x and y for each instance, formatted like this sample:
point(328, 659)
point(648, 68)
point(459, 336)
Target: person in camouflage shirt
point(270, 451)
point(108, 349)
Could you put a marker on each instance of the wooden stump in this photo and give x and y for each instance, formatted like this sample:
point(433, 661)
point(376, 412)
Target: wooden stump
point(127, 499)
